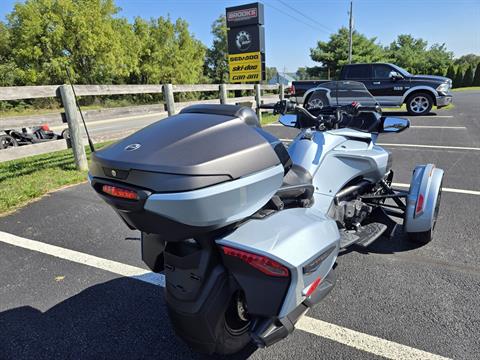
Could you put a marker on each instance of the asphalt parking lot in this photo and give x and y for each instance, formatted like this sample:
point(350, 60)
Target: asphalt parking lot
point(72, 284)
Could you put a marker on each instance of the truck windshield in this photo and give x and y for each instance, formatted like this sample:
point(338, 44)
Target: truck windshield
point(401, 71)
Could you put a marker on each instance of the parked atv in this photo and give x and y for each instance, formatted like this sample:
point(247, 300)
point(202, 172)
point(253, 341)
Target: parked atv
point(29, 135)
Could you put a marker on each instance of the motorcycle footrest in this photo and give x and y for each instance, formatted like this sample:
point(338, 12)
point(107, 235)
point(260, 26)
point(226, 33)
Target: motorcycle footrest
point(366, 235)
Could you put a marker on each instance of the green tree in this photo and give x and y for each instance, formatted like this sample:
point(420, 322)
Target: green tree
point(415, 56)
point(302, 73)
point(7, 67)
point(168, 53)
point(334, 53)
point(468, 77)
point(468, 60)
point(476, 78)
point(409, 53)
point(84, 35)
point(438, 60)
point(270, 73)
point(458, 80)
point(451, 72)
point(216, 64)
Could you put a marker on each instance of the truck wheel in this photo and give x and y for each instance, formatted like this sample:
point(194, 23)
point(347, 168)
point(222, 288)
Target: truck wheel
point(419, 104)
point(234, 335)
point(7, 141)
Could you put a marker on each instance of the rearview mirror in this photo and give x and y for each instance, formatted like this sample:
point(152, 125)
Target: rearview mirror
point(395, 75)
point(288, 120)
point(393, 124)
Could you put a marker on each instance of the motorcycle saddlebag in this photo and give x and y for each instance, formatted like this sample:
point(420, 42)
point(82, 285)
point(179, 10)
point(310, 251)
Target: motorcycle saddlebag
point(205, 168)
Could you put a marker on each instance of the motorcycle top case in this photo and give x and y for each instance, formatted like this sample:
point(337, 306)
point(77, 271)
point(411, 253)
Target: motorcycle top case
point(203, 169)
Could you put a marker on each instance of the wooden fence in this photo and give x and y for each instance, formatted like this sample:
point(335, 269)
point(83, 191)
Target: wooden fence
point(65, 93)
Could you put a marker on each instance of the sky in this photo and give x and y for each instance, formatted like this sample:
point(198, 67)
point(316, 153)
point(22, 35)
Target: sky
point(289, 34)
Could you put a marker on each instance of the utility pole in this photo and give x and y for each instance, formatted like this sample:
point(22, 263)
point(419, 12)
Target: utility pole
point(350, 25)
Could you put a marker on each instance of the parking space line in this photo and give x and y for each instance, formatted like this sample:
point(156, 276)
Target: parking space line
point(80, 258)
point(437, 127)
point(361, 341)
point(431, 146)
point(352, 338)
point(446, 189)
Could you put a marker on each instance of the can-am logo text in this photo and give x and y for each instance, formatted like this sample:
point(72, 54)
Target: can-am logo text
point(242, 15)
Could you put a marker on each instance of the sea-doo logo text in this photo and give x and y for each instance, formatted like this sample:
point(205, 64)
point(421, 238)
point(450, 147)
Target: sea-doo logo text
point(132, 147)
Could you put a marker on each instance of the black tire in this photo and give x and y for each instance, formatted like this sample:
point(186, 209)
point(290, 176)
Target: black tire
point(7, 141)
point(65, 134)
point(233, 332)
point(419, 103)
point(421, 237)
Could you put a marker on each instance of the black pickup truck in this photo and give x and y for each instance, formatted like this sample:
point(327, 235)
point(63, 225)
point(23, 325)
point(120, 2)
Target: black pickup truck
point(390, 85)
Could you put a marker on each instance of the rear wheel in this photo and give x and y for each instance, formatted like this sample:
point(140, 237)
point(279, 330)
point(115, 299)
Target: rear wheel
point(7, 141)
point(233, 334)
point(419, 104)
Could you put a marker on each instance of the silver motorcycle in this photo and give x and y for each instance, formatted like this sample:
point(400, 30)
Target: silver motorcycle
point(248, 232)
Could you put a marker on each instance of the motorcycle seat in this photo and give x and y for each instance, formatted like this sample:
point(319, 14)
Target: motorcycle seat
point(297, 183)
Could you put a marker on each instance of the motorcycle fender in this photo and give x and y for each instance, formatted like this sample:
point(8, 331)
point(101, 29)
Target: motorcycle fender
point(422, 198)
point(303, 240)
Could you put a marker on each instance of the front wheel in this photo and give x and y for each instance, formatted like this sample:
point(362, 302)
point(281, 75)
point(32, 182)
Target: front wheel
point(7, 141)
point(419, 104)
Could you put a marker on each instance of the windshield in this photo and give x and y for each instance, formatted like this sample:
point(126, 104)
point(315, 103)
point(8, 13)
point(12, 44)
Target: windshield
point(401, 71)
point(334, 93)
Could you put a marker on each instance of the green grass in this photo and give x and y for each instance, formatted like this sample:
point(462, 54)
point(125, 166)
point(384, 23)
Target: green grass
point(469, 88)
point(24, 180)
point(268, 118)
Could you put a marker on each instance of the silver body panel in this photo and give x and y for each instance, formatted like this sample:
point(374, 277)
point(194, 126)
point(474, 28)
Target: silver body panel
point(220, 204)
point(293, 237)
point(296, 236)
point(426, 180)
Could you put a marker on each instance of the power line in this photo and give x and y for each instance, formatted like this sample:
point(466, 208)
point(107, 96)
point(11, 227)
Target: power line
point(293, 17)
point(306, 16)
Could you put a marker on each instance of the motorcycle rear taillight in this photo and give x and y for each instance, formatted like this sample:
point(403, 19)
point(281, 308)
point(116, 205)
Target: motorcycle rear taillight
point(120, 192)
point(259, 262)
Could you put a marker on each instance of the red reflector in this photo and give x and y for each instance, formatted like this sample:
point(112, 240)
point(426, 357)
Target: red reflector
point(419, 204)
point(45, 127)
point(120, 192)
point(313, 286)
point(259, 262)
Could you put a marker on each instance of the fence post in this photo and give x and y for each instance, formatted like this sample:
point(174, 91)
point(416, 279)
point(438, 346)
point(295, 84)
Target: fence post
point(282, 92)
point(70, 106)
point(169, 100)
point(258, 100)
point(223, 94)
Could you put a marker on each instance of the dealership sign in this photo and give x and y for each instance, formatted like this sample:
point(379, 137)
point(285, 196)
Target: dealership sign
point(246, 43)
